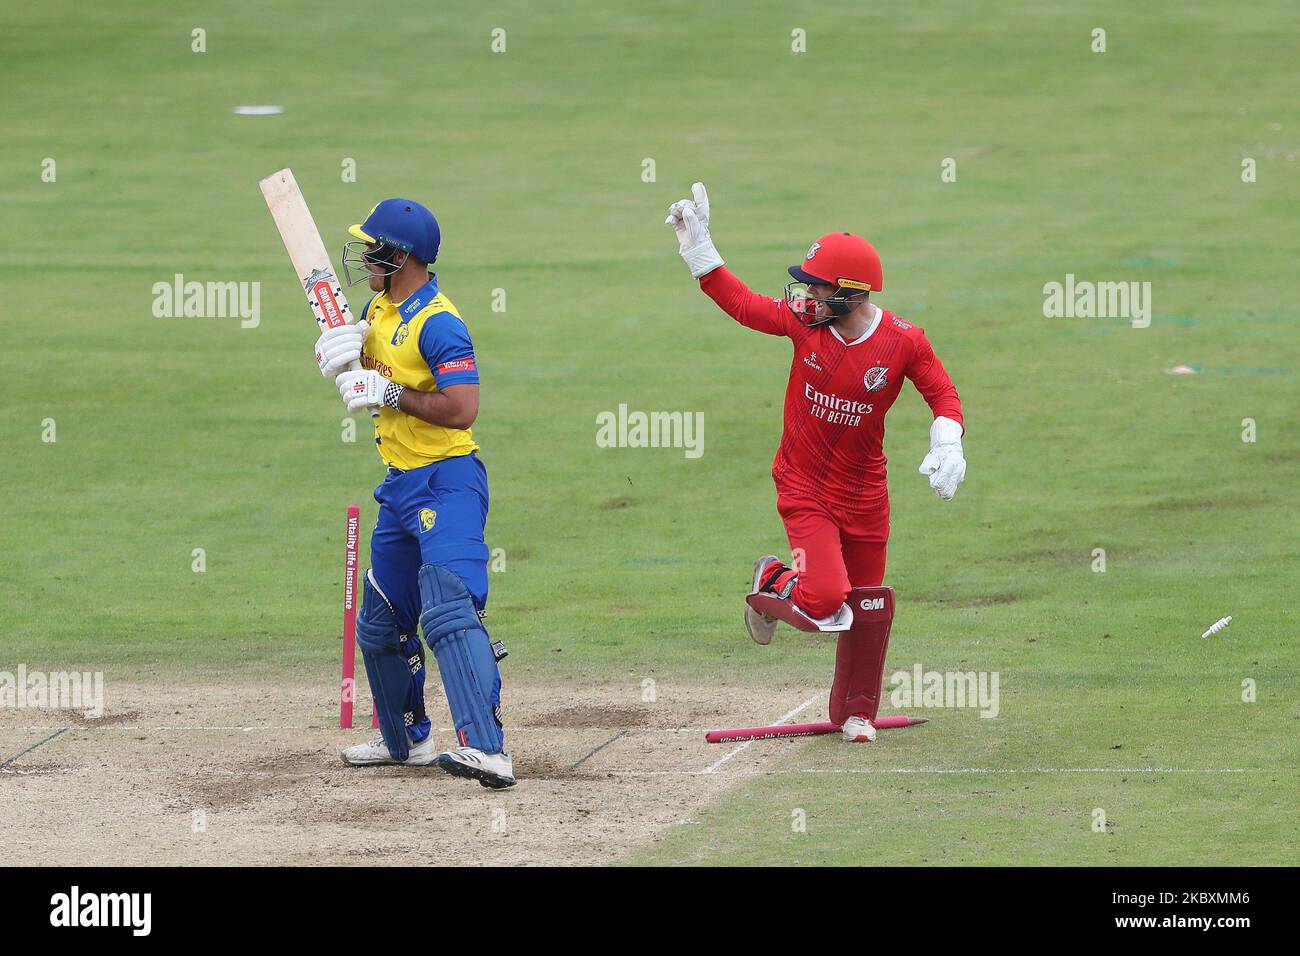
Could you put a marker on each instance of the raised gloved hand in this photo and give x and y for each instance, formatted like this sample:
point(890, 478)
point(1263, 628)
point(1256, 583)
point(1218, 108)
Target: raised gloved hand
point(368, 390)
point(339, 347)
point(690, 219)
point(946, 463)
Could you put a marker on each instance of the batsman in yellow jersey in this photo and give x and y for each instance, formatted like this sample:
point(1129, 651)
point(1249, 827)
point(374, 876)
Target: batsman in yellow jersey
point(428, 558)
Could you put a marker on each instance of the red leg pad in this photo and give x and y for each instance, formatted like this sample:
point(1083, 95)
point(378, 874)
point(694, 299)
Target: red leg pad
point(860, 655)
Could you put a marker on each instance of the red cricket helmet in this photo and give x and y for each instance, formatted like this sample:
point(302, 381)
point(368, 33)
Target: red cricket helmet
point(841, 259)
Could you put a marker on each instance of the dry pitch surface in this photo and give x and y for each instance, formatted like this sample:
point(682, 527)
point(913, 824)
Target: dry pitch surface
point(179, 775)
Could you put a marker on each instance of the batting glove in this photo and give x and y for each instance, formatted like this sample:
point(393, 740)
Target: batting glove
point(366, 390)
point(690, 219)
point(945, 464)
point(339, 347)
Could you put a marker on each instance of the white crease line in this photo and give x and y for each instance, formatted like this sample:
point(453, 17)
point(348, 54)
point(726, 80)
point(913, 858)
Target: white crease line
point(178, 771)
point(884, 771)
point(713, 767)
point(939, 770)
point(36, 728)
point(136, 727)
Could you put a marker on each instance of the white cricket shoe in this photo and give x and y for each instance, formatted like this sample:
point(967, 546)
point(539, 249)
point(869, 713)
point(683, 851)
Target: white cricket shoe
point(375, 752)
point(858, 730)
point(494, 771)
point(761, 627)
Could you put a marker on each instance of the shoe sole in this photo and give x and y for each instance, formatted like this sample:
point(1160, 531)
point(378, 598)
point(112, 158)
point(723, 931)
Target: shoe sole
point(488, 779)
point(387, 762)
point(390, 762)
point(750, 625)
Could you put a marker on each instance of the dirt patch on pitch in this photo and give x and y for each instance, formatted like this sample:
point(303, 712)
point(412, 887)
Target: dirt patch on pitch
point(701, 712)
point(238, 773)
point(80, 719)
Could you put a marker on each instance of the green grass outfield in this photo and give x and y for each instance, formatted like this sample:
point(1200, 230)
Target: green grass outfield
point(176, 434)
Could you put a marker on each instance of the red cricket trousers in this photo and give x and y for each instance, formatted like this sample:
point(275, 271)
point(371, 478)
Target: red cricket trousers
point(833, 549)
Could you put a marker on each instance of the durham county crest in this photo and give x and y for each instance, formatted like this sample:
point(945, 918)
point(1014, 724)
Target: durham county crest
point(875, 379)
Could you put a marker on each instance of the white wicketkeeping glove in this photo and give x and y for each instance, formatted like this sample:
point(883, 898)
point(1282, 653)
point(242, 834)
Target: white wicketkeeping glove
point(339, 347)
point(368, 389)
point(690, 219)
point(945, 464)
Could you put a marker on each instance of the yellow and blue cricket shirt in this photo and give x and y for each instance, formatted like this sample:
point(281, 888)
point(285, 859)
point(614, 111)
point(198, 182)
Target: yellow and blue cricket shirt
point(421, 343)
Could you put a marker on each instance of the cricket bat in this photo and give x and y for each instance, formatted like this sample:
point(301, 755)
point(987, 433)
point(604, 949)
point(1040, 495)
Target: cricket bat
point(307, 253)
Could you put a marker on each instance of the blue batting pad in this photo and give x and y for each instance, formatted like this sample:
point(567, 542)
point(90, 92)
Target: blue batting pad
point(460, 644)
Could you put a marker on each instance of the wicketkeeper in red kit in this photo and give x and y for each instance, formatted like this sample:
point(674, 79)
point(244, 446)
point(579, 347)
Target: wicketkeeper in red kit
point(850, 359)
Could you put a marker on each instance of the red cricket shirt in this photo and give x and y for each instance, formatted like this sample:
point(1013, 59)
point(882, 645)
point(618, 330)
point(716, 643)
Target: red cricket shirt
point(838, 394)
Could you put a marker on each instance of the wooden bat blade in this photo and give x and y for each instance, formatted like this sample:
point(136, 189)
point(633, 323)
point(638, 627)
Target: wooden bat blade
point(307, 252)
point(294, 220)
